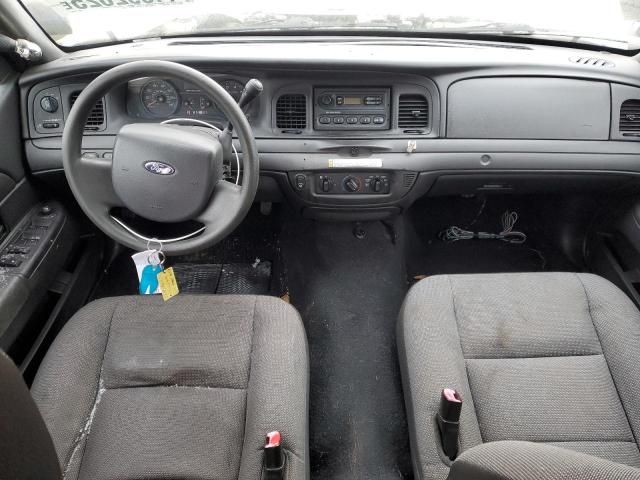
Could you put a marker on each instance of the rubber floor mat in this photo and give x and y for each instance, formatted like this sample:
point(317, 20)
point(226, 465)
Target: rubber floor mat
point(194, 278)
point(229, 278)
point(245, 278)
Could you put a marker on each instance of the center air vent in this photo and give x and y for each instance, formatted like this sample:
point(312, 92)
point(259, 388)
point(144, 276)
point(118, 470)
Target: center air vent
point(593, 61)
point(291, 112)
point(413, 112)
point(630, 118)
point(96, 117)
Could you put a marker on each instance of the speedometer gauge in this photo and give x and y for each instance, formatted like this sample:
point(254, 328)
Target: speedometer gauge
point(160, 98)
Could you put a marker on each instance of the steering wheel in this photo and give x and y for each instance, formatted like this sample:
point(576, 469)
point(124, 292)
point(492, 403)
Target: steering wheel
point(163, 173)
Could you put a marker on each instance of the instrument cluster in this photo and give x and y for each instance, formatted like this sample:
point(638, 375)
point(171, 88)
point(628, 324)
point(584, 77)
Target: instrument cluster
point(160, 98)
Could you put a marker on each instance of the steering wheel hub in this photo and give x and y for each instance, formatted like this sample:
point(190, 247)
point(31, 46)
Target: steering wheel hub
point(165, 173)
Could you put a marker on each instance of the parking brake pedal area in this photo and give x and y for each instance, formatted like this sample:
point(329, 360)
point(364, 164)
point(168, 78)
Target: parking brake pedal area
point(229, 278)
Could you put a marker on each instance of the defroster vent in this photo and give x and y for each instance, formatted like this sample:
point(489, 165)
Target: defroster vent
point(96, 117)
point(630, 118)
point(291, 112)
point(593, 61)
point(413, 112)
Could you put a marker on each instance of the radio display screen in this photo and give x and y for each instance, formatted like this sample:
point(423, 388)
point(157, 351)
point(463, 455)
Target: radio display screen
point(353, 100)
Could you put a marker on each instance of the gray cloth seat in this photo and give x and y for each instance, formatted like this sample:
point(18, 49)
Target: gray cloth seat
point(549, 358)
point(135, 388)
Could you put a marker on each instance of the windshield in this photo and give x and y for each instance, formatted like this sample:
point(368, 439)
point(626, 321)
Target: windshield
point(73, 23)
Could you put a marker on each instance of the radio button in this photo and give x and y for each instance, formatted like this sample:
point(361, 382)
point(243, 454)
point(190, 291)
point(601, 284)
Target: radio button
point(352, 120)
point(326, 100)
point(378, 120)
point(365, 120)
point(338, 120)
point(339, 100)
point(324, 120)
point(372, 100)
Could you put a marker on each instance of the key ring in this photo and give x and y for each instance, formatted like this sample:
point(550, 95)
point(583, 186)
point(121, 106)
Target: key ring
point(161, 257)
point(154, 240)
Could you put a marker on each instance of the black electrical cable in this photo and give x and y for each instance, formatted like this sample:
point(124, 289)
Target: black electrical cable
point(507, 234)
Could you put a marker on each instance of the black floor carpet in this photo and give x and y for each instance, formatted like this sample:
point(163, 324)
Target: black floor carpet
point(428, 255)
point(348, 292)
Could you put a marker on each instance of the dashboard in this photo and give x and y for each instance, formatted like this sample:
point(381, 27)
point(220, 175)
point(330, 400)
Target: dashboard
point(363, 128)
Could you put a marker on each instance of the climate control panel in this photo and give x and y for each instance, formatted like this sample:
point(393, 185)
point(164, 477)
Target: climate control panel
point(352, 183)
point(350, 188)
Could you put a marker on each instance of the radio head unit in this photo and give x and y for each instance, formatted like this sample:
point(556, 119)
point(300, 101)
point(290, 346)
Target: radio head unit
point(351, 108)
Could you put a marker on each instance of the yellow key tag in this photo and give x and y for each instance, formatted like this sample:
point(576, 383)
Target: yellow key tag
point(168, 284)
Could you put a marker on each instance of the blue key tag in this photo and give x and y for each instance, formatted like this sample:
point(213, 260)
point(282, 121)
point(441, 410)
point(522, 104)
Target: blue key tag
point(148, 266)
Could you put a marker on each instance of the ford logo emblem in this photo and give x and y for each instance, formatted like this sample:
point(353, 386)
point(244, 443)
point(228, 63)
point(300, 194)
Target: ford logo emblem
point(159, 168)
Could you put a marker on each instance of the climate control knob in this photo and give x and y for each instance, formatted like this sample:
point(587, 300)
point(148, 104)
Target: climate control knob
point(351, 184)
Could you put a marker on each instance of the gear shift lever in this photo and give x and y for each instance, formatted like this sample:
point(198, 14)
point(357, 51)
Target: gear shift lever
point(251, 91)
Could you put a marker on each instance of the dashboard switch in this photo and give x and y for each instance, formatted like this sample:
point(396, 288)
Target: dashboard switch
point(49, 104)
point(301, 181)
point(325, 184)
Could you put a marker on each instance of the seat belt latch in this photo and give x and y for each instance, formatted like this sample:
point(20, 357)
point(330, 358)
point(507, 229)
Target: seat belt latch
point(448, 420)
point(273, 457)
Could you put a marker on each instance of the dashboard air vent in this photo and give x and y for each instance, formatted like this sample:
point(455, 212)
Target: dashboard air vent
point(291, 112)
point(96, 117)
point(630, 118)
point(408, 179)
point(593, 61)
point(413, 112)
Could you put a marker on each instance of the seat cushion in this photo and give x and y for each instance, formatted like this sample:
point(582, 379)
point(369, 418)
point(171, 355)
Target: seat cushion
point(540, 357)
point(134, 387)
point(513, 460)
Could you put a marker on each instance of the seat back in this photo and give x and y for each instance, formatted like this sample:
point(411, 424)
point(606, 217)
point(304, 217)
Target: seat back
point(26, 448)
